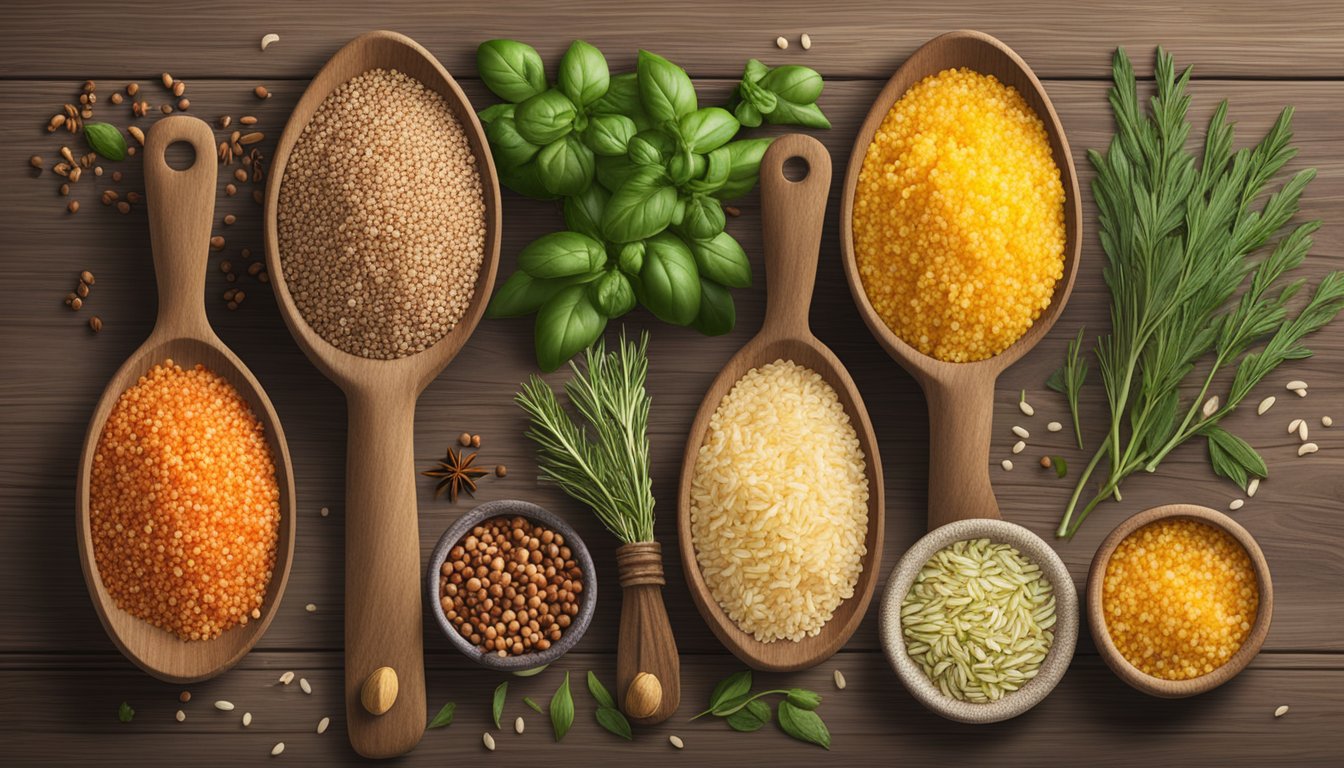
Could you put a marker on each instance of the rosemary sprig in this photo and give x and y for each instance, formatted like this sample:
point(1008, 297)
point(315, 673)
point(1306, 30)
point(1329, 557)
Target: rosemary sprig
point(1180, 242)
point(608, 472)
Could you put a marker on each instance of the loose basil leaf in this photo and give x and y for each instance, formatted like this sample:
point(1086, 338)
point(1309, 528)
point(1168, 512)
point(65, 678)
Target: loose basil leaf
point(746, 167)
point(703, 218)
point(631, 260)
point(583, 212)
point(747, 114)
point(732, 705)
point(497, 706)
point(562, 703)
point(622, 98)
point(800, 85)
point(522, 294)
point(566, 166)
point(803, 725)
point(803, 698)
point(106, 140)
point(641, 208)
point(512, 70)
point(562, 254)
point(750, 718)
point(609, 135)
point(665, 90)
point(734, 685)
point(545, 117)
point(444, 718)
point(722, 259)
point(684, 167)
point(124, 712)
point(669, 282)
point(805, 115)
point(600, 692)
point(707, 129)
point(583, 75)
point(612, 295)
point(612, 719)
point(525, 179)
point(496, 111)
point(716, 317)
point(508, 147)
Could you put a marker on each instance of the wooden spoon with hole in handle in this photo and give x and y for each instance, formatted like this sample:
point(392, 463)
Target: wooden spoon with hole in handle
point(961, 395)
point(181, 208)
point(792, 216)
point(382, 535)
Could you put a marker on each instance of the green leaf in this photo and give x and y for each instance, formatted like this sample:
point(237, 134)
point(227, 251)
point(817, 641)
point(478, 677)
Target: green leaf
point(733, 704)
point(600, 692)
point(793, 83)
point(722, 259)
point(496, 111)
point(510, 69)
point(754, 70)
point(534, 705)
point(718, 164)
point(669, 284)
point(704, 218)
point(684, 166)
point(1233, 457)
point(444, 718)
point(643, 150)
point(805, 115)
point(525, 179)
point(621, 98)
point(562, 707)
point(803, 698)
point(545, 117)
point(583, 75)
point(736, 684)
point(106, 140)
point(750, 718)
point(632, 258)
point(609, 135)
point(717, 314)
point(566, 166)
point(705, 130)
point(612, 719)
point(803, 725)
point(583, 212)
point(522, 294)
point(1060, 466)
point(641, 208)
point(125, 713)
point(612, 172)
point(762, 100)
point(745, 170)
point(497, 707)
point(565, 325)
point(612, 295)
point(562, 254)
point(748, 115)
point(665, 90)
point(509, 148)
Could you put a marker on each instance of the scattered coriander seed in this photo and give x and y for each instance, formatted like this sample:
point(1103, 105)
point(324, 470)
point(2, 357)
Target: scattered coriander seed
point(95, 324)
point(64, 190)
point(1326, 421)
point(1265, 405)
point(278, 748)
point(217, 243)
point(488, 741)
point(839, 680)
point(1236, 504)
point(247, 719)
point(240, 174)
point(311, 608)
point(464, 439)
point(322, 724)
point(1007, 465)
point(167, 80)
point(86, 277)
point(676, 742)
point(123, 207)
point(230, 190)
point(1281, 711)
point(184, 696)
point(73, 207)
point(181, 716)
point(501, 470)
point(475, 441)
point(1046, 463)
point(518, 725)
point(76, 303)
point(806, 42)
point(257, 197)
point(36, 161)
point(732, 211)
point(224, 121)
point(184, 104)
point(229, 219)
point(224, 706)
point(132, 89)
point(166, 109)
point(1253, 486)
point(303, 683)
point(179, 88)
point(781, 42)
point(261, 93)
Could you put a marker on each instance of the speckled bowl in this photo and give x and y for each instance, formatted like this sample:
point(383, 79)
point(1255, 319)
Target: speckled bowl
point(1066, 622)
point(587, 598)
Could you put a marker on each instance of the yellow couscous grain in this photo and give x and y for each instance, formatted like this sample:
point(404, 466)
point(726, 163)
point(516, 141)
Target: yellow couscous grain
point(1179, 598)
point(959, 217)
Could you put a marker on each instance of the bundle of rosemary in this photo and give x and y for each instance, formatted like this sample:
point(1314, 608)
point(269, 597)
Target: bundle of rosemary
point(1181, 240)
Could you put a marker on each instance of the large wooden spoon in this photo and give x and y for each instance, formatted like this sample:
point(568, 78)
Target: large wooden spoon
point(382, 538)
point(792, 215)
point(961, 395)
point(181, 208)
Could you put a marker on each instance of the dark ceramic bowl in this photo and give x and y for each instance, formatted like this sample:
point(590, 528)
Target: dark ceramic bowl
point(532, 660)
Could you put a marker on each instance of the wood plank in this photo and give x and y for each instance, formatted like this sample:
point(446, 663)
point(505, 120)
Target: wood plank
point(851, 38)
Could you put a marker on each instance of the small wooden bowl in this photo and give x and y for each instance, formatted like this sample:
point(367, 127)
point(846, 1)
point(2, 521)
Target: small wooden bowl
point(535, 660)
point(1096, 617)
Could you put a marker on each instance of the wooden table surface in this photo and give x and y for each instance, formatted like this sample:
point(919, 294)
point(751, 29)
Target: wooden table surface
point(61, 680)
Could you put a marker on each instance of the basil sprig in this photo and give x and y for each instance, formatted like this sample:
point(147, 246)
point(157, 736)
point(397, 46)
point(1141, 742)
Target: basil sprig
point(642, 169)
point(745, 711)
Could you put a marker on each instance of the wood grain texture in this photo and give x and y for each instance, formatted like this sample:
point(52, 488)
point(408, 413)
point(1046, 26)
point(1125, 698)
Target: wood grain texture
point(61, 679)
point(647, 643)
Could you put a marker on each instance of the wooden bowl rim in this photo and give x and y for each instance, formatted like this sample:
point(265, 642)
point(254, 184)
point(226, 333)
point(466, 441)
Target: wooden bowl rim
point(1096, 617)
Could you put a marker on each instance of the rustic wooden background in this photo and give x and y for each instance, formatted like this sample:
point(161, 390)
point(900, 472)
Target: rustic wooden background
point(61, 679)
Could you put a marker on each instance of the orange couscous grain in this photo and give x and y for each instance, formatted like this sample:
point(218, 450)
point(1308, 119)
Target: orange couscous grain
point(959, 217)
point(184, 504)
point(1179, 598)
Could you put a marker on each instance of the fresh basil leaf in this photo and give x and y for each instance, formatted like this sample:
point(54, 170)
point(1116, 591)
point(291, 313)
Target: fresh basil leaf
point(685, 166)
point(643, 152)
point(124, 712)
point(631, 259)
point(612, 295)
point(622, 98)
point(444, 718)
point(745, 169)
point(562, 703)
point(611, 719)
point(545, 117)
point(1233, 457)
point(718, 164)
point(522, 294)
point(609, 135)
point(803, 725)
point(665, 90)
point(803, 698)
point(508, 147)
point(747, 114)
point(703, 219)
point(566, 166)
point(736, 684)
point(583, 75)
point(707, 129)
point(669, 284)
point(797, 84)
point(525, 179)
point(496, 111)
point(600, 692)
point(722, 259)
point(764, 101)
point(641, 208)
point(497, 706)
point(562, 254)
point(731, 705)
point(1060, 466)
point(754, 70)
point(510, 69)
point(750, 718)
point(106, 140)
point(612, 172)
point(806, 115)
point(717, 314)
point(583, 212)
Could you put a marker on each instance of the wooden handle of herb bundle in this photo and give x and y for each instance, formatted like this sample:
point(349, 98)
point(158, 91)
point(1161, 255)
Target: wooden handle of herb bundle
point(961, 417)
point(382, 575)
point(181, 209)
point(792, 216)
point(648, 670)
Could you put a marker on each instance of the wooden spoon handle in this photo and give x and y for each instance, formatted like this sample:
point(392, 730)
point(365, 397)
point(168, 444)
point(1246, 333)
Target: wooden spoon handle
point(382, 570)
point(792, 216)
point(181, 210)
point(961, 418)
point(645, 644)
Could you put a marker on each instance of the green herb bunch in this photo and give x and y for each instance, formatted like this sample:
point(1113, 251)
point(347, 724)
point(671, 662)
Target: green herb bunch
point(1182, 238)
point(745, 711)
point(642, 169)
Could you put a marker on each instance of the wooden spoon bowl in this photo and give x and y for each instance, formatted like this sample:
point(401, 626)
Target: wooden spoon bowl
point(382, 539)
point(961, 395)
point(181, 210)
point(793, 213)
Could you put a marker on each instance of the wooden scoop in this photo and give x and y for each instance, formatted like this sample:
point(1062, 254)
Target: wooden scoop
point(382, 537)
point(181, 208)
point(961, 395)
point(792, 215)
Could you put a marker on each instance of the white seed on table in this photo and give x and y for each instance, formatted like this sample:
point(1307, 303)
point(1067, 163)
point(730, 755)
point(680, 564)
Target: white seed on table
point(1293, 425)
point(1253, 486)
point(1301, 392)
point(839, 680)
point(303, 683)
point(1302, 431)
point(224, 706)
point(1305, 448)
point(247, 719)
point(322, 724)
point(1026, 408)
point(287, 678)
point(806, 42)
point(676, 741)
point(488, 741)
point(310, 608)
point(1019, 446)
point(1021, 432)
point(1210, 406)
point(518, 725)
point(1326, 421)
point(1007, 465)
point(781, 43)
point(1265, 405)
point(1281, 711)
point(325, 511)
point(1236, 504)
point(181, 715)
point(1053, 426)
point(1296, 384)
point(278, 748)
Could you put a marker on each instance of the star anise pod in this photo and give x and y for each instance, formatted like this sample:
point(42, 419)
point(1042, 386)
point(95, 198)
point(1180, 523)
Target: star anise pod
point(456, 473)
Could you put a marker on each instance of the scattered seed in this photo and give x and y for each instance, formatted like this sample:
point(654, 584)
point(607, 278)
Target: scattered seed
point(676, 742)
point(36, 161)
point(266, 40)
point(224, 706)
point(1253, 486)
point(501, 470)
point(251, 138)
point(217, 243)
point(1326, 421)
point(1211, 406)
point(1265, 405)
point(256, 197)
point(732, 211)
point(82, 290)
point(322, 724)
point(73, 207)
point(278, 748)
point(116, 98)
point(184, 104)
point(1007, 465)
point(781, 43)
point(181, 716)
point(839, 680)
point(464, 439)
point(309, 607)
point(230, 190)
point(1236, 504)
point(1021, 432)
point(1293, 425)
point(261, 93)
point(325, 512)
point(1296, 384)
point(167, 80)
point(137, 134)
point(1026, 408)
point(1301, 392)
point(303, 683)
point(64, 190)
point(1019, 447)
point(488, 740)
point(76, 303)
point(247, 719)
point(1302, 431)
point(124, 207)
point(184, 696)
point(806, 42)
point(240, 174)
point(1305, 448)
point(1281, 711)
point(166, 109)
point(179, 88)
point(132, 89)
point(518, 725)
point(287, 678)
point(95, 324)
point(1053, 426)
point(1046, 462)
point(475, 441)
